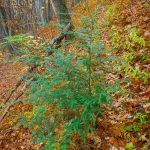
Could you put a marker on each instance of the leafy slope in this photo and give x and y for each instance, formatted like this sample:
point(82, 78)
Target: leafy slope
point(121, 127)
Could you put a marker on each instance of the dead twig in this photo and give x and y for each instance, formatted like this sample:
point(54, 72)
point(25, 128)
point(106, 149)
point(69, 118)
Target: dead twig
point(17, 85)
point(56, 42)
point(17, 97)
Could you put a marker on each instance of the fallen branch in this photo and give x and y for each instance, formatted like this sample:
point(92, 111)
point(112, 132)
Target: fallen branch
point(17, 85)
point(58, 39)
point(17, 97)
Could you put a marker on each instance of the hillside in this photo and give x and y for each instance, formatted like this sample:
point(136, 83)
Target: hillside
point(124, 65)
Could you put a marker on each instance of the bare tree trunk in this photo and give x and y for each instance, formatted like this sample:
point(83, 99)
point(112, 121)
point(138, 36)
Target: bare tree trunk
point(37, 9)
point(62, 12)
point(4, 28)
point(74, 2)
point(48, 12)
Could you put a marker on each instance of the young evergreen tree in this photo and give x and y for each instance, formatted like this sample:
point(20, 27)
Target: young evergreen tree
point(68, 94)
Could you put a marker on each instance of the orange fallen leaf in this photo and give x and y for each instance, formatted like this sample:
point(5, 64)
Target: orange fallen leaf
point(36, 127)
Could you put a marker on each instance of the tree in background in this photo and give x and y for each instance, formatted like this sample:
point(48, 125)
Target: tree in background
point(61, 11)
point(3, 28)
point(22, 15)
point(3, 31)
point(48, 11)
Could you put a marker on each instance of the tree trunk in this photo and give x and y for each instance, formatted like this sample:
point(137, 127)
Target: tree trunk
point(48, 12)
point(62, 12)
point(37, 9)
point(4, 29)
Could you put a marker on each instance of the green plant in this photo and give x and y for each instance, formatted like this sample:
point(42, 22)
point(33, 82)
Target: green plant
point(133, 71)
point(135, 37)
point(129, 146)
point(132, 39)
point(141, 117)
point(128, 43)
point(24, 46)
point(134, 128)
point(112, 11)
point(115, 37)
point(68, 94)
point(20, 40)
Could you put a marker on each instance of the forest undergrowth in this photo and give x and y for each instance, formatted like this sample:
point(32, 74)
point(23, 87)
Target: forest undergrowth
point(92, 93)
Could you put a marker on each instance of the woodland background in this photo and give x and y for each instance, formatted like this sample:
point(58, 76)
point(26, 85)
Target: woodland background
point(110, 37)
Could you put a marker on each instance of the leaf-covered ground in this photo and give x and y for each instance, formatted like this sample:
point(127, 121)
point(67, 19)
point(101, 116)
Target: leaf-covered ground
point(125, 122)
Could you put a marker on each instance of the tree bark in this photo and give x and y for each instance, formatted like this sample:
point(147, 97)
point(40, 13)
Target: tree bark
point(48, 12)
point(37, 9)
point(4, 29)
point(62, 12)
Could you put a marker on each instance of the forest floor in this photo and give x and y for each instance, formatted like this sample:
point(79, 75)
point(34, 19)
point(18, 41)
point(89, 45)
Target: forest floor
point(125, 123)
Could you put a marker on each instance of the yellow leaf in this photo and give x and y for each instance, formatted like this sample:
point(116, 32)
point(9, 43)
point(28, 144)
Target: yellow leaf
point(1, 54)
point(56, 130)
point(36, 127)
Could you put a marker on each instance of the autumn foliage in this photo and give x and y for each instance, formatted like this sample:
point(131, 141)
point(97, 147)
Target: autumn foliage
point(91, 93)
